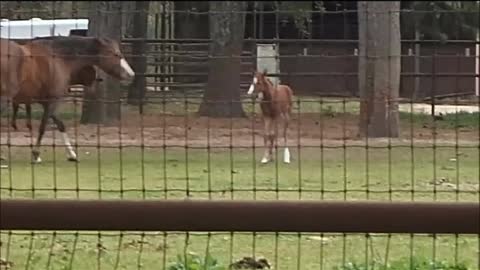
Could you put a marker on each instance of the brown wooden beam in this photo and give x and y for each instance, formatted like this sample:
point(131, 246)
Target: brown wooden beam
point(258, 216)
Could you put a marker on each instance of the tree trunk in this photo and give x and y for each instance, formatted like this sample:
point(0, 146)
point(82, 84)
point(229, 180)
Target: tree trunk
point(136, 91)
point(128, 18)
point(416, 89)
point(227, 28)
point(102, 105)
point(365, 67)
point(379, 68)
point(190, 26)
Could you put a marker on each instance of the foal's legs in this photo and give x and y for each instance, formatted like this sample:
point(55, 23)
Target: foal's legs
point(286, 152)
point(71, 155)
point(267, 136)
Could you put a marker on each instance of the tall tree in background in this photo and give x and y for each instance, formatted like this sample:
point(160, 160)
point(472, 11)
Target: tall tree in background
point(439, 20)
point(442, 20)
point(189, 24)
point(227, 29)
point(127, 18)
point(102, 106)
point(25, 10)
point(379, 68)
point(136, 91)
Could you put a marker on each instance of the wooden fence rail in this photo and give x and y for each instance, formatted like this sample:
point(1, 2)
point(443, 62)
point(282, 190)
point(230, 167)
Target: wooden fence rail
point(257, 216)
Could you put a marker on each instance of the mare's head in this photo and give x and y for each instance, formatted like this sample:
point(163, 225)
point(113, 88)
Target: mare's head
point(103, 52)
point(111, 59)
point(259, 85)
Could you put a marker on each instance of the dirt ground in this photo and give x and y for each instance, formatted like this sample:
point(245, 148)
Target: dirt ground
point(305, 130)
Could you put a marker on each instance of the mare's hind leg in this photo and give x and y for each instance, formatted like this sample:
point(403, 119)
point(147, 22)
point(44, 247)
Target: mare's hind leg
point(3, 105)
point(14, 116)
point(48, 110)
point(41, 130)
point(71, 155)
point(28, 108)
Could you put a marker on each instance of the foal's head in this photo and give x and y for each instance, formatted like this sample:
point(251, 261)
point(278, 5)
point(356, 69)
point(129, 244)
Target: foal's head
point(111, 59)
point(260, 84)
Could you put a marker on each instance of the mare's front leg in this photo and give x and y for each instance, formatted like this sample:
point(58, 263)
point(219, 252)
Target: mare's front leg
point(71, 155)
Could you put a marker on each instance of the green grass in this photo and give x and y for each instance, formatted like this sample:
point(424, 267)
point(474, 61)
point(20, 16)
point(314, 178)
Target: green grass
point(447, 121)
point(225, 174)
point(417, 263)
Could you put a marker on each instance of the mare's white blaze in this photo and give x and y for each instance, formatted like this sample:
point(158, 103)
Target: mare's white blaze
point(126, 67)
point(70, 153)
point(252, 87)
point(286, 155)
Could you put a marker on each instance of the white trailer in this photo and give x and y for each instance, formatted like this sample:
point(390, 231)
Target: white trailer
point(36, 27)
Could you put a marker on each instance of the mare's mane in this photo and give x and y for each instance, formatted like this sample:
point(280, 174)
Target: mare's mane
point(68, 46)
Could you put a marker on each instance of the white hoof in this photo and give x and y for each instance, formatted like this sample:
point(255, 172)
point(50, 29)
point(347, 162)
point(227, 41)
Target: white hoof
point(286, 156)
point(71, 156)
point(37, 160)
point(72, 159)
point(264, 160)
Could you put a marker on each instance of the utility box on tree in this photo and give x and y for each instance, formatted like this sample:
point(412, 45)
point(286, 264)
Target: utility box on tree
point(267, 58)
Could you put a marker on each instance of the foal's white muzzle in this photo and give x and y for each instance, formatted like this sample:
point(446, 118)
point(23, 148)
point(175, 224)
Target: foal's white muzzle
point(250, 90)
point(257, 96)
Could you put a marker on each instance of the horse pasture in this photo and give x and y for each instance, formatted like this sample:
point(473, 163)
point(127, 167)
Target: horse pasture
point(170, 152)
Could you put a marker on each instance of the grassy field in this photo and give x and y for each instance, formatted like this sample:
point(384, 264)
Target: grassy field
point(315, 174)
point(331, 173)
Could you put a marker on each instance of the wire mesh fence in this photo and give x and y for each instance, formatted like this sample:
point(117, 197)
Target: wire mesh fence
point(166, 149)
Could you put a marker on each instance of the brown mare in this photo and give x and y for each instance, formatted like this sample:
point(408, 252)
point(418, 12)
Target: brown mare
point(48, 68)
point(275, 105)
point(11, 55)
point(86, 77)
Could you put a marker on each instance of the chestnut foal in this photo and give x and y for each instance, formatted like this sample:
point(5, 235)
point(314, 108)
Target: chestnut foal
point(275, 105)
